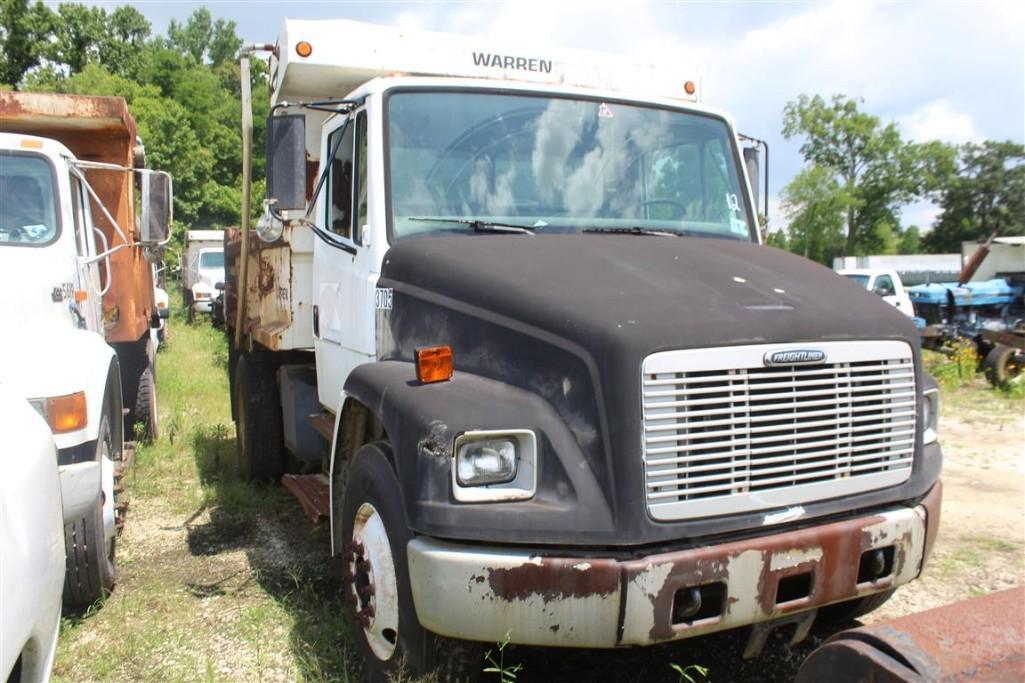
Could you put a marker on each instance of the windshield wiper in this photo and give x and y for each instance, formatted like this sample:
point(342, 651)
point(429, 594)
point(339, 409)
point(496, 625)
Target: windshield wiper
point(480, 225)
point(635, 230)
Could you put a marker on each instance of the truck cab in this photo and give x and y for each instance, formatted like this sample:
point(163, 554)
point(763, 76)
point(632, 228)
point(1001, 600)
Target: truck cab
point(67, 277)
point(566, 395)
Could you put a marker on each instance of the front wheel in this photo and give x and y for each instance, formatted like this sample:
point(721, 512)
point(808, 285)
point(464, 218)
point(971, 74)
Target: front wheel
point(89, 542)
point(376, 589)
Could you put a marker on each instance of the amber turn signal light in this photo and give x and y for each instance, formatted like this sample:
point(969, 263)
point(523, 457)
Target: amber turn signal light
point(303, 49)
point(434, 364)
point(689, 87)
point(66, 413)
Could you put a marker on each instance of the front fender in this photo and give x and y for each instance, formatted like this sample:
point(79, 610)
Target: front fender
point(59, 363)
point(422, 421)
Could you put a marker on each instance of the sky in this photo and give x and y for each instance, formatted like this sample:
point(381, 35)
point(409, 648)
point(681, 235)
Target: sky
point(951, 71)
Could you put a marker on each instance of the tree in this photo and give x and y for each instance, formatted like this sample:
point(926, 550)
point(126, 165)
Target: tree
point(877, 171)
point(77, 33)
point(24, 30)
point(910, 241)
point(987, 194)
point(122, 45)
point(815, 203)
point(193, 38)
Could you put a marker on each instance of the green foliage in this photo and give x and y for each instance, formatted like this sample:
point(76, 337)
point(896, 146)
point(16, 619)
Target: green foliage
point(24, 32)
point(506, 674)
point(816, 204)
point(988, 194)
point(875, 171)
point(184, 91)
point(687, 673)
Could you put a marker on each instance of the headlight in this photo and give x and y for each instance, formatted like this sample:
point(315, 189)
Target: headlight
point(494, 465)
point(62, 413)
point(930, 416)
point(488, 461)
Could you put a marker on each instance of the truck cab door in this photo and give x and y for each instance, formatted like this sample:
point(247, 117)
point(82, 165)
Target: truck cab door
point(92, 277)
point(344, 272)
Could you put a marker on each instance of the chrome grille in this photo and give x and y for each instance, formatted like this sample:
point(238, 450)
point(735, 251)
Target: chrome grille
point(724, 434)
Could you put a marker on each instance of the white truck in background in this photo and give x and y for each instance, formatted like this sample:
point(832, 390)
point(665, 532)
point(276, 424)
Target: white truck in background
point(202, 268)
point(884, 283)
point(76, 297)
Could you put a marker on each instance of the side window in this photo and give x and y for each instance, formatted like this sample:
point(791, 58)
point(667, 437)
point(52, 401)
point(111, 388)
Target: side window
point(340, 182)
point(78, 214)
point(361, 175)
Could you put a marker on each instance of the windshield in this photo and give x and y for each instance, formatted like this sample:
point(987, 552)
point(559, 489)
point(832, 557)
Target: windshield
point(28, 214)
point(559, 165)
point(860, 279)
point(211, 259)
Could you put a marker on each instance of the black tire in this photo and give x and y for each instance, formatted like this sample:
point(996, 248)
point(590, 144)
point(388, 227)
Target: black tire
point(417, 651)
point(1002, 364)
point(90, 567)
point(846, 612)
point(146, 406)
point(258, 430)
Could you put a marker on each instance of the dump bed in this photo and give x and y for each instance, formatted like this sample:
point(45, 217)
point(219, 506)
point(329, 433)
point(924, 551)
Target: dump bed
point(97, 129)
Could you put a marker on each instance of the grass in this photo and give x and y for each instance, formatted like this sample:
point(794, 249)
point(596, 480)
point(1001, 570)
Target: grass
point(218, 579)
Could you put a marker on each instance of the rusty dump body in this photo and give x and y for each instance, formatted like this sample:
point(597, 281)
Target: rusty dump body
point(601, 601)
point(980, 639)
point(97, 129)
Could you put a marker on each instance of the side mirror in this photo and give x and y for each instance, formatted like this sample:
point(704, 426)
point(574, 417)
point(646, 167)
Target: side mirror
point(753, 162)
point(164, 313)
point(219, 286)
point(156, 207)
point(286, 162)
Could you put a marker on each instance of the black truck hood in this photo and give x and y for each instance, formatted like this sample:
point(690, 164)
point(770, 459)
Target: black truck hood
point(648, 293)
point(570, 319)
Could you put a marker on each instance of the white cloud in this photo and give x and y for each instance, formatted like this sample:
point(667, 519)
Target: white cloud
point(937, 120)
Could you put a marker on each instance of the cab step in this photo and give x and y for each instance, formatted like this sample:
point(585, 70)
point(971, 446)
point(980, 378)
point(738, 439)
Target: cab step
point(313, 492)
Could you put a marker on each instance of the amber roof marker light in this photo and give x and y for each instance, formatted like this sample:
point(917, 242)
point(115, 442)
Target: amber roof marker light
point(303, 49)
point(434, 364)
point(689, 87)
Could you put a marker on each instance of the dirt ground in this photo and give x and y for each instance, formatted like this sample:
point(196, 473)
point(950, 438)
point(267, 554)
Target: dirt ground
point(225, 581)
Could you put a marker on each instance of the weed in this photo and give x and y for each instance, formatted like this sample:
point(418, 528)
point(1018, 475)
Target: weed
point(685, 672)
point(506, 674)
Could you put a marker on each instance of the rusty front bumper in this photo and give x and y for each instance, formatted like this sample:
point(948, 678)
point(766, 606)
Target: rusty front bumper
point(480, 593)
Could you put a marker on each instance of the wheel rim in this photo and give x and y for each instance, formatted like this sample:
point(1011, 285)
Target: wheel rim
point(372, 586)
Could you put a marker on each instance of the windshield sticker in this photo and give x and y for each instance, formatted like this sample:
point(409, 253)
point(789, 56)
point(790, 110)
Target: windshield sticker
point(732, 202)
point(383, 298)
point(604, 111)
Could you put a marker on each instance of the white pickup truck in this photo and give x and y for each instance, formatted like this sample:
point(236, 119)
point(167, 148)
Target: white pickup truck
point(885, 283)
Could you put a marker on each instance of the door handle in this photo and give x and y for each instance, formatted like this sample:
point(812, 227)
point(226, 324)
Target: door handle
point(316, 321)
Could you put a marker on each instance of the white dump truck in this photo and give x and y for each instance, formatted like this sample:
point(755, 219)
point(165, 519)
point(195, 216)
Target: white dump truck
point(507, 322)
point(202, 268)
point(76, 295)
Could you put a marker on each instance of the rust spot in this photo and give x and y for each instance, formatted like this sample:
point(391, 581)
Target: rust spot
point(265, 281)
point(555, 579)
point(835, 574)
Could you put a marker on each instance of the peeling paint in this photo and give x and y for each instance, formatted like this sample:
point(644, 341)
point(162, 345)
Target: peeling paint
point(436, 443)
